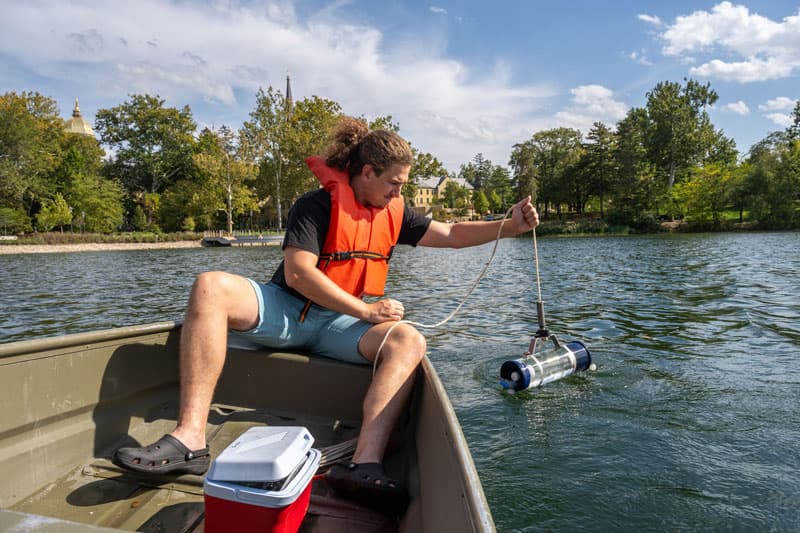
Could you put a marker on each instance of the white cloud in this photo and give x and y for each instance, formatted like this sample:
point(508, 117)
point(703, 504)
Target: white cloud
point(214, 56)
point(762, 49)
point(437, 9)
point(639, 56)
point(738, 107)
point(589, 104)
point(753, 69)
point(780, 119)
point(781, 103)
point(650, 19)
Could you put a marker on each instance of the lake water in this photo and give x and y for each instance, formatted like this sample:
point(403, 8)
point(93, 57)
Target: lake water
point(691, 421)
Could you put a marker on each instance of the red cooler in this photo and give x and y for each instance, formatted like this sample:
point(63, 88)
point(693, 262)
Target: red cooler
point(261, 482)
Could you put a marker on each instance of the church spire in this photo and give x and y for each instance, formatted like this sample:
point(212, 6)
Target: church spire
point(289, 101)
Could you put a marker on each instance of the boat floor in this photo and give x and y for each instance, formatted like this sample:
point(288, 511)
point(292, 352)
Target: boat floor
point(103, 495)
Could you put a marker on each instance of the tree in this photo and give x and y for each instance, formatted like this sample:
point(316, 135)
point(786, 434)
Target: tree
point(524, 170)
point(678, 117)
point(383, 123)
point(54, 212)
point(98, 202)
point(310, 125)
point(705, 194)
point(153, 144)
point(793, 131)
point(425, 166)
point(479, 202)
point(476, 172)
point(452, 194)
point(499, 188)
point(220, 182)
point(14, 220)
point(545, 160)
point(278, 140)
point(600, 163)
point(634, 187)
point(81, 155)
point(31, 133)
point(774, 180)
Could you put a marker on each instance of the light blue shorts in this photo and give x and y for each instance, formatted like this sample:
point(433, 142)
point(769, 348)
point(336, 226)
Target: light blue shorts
point(323, 332)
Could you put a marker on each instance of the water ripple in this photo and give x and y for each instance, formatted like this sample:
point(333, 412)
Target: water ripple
point(688, 423)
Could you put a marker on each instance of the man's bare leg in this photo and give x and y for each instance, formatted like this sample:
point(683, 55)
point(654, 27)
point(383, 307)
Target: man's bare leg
point(218, 301)
point(390, 388)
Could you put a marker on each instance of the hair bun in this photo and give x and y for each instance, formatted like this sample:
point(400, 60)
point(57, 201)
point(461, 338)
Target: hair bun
point(343, 140)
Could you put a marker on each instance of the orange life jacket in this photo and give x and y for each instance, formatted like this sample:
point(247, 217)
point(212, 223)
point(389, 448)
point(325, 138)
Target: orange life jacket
point(360, 239)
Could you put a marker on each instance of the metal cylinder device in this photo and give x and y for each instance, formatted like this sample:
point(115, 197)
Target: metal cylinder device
point(546, 366)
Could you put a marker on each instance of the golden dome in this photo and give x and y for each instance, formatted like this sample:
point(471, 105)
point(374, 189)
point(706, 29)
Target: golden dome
point(77, 124)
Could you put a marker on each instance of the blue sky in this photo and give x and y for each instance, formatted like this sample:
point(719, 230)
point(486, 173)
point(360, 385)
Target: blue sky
point(460, 77)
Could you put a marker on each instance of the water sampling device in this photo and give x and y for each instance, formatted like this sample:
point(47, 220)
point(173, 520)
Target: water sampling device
point(540, 364)
point(547, 358)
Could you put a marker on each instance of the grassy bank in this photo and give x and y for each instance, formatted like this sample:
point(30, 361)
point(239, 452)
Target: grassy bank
point(590, 226)
point(57, 238)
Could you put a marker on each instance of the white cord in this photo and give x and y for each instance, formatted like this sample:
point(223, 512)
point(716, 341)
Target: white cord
point(460, 305)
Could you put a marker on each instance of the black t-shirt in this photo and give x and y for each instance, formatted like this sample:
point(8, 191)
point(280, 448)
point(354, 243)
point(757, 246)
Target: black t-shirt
point(307, 228)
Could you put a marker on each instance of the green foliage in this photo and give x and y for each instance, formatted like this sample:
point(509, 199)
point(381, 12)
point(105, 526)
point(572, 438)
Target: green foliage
point(383, 123)
point(477, 172)
point(98, 202)
point(31, 134)
point(54, 212)
point(600, 166)
point(544, 166)
point(679, 130)
point(138, 218)
point(278, 139)
point(665, 158)
point(425, 165)
point(153, 144)
point(705, 195)
point(793, 131)
point(452, 194)
point(774, 181)
point(480, 203)
point(14, 220)
point(500, 189)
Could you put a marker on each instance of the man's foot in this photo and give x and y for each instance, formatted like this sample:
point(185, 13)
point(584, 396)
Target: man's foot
point(368, 484)
point(168, 455)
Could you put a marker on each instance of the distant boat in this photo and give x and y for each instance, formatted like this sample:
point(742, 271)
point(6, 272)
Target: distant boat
point(68, 402)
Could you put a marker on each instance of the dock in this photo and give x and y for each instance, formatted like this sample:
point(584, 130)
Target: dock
point(219, 239)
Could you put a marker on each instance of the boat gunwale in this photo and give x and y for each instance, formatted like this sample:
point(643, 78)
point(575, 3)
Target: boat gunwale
point(478, 504)
point(45, 344)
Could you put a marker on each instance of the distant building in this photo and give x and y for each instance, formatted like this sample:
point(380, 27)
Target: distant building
point(430, 188)
point(77, 124)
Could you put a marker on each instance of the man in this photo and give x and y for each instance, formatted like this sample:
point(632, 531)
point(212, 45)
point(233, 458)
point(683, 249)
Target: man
point(337, 246)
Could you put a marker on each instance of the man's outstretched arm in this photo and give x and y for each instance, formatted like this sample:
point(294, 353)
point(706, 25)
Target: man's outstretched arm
point(462, 234)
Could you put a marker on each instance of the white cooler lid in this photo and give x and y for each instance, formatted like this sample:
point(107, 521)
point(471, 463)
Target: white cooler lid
point(265, 453)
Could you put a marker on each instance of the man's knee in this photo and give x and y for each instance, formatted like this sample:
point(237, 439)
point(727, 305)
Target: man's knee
point(214, 283)
point(405, 341)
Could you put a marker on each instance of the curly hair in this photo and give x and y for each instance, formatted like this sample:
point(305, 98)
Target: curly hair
point(352, 145)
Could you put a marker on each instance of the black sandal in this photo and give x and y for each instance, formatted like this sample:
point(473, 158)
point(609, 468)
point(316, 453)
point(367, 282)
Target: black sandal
point(167, 455)
point(368, 484)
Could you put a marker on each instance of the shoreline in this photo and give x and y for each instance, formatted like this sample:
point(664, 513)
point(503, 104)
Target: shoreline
point(9, 249)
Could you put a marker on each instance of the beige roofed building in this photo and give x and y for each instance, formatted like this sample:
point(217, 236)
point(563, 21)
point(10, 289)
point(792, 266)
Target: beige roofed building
point(432, 187)
point(77, 124)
